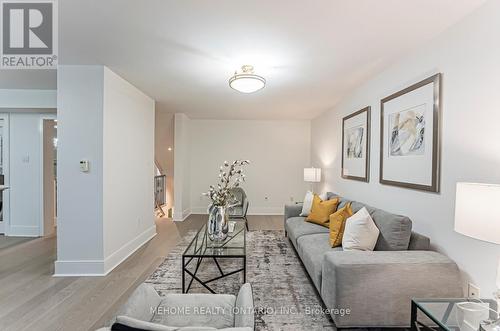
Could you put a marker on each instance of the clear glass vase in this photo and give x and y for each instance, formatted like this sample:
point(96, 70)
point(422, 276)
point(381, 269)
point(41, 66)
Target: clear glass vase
point(218, 223)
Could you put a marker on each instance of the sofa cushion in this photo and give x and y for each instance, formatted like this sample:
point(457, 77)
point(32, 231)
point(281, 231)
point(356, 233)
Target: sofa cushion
point(360, 232)
point(395, 230)
point(206, 310)
point(337, 224)
point(142, 303)
point(342, 201)
point(308, 201)
point(321, 210)
point(419, 242)
point(244, 309)
point(297, 227)
point(311, 249)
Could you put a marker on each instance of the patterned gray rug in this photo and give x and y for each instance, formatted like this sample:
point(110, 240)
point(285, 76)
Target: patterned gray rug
point(284, 296)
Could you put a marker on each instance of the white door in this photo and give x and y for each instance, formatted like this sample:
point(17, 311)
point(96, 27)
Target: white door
point(4, 173)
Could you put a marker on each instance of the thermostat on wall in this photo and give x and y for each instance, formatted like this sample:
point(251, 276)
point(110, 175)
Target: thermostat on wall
point(84, 165)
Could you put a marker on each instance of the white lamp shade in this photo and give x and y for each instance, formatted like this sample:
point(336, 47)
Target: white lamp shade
point(477, 213)
point(312, 175)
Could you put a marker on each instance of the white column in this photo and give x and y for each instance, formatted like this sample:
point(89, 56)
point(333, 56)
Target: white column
point(104, 214)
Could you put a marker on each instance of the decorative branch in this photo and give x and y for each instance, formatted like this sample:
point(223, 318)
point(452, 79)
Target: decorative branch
point(230, 177)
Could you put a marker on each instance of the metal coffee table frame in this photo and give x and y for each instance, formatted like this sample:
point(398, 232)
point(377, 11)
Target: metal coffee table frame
point(202, 248)
point(442, 321)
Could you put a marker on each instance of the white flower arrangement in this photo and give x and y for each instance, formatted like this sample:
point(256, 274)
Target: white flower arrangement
point(230, 177)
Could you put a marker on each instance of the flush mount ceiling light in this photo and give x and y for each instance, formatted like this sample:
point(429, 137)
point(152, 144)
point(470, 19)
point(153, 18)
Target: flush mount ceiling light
point(246, 81)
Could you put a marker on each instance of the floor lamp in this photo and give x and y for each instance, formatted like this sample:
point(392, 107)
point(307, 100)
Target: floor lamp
point(478, 222)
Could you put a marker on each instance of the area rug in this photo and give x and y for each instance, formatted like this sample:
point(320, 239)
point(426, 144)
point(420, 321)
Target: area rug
point(284, 297)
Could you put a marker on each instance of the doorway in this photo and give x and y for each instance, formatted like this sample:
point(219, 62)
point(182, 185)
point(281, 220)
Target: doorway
point(49, 152)
point(28, 177)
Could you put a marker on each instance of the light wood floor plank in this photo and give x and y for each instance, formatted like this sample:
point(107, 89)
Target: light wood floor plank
point(6, 242)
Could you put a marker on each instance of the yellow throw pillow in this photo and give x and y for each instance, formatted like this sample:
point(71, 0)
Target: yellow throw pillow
point(321, 210)
point(337, 224)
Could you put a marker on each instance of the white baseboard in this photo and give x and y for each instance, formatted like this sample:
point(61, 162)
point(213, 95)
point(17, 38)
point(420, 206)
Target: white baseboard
point(180, 217)
point(252, 211)
point(77, 268)
point(199, 210)
point(266, 213)
point(113, 260)
point(279, 210)
point(24, 231)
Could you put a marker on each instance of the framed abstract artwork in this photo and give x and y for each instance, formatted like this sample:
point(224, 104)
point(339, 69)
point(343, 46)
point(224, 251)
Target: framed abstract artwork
point(356, 146)
point(410, 136)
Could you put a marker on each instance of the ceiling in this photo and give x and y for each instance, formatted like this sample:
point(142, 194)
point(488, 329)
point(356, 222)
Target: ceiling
point(182, 52)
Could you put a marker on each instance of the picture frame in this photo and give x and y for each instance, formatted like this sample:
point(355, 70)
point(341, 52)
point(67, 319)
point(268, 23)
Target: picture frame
point(410, 136)
point(356, 131)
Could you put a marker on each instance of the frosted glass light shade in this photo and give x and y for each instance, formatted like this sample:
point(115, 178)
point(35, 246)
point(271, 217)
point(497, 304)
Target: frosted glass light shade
point(312, 175)
point(247, 83)
point(477, 211)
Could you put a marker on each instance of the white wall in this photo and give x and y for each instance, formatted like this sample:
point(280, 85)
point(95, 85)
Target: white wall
point(128, 168)
point(80, 130)
point(98, 116)
point(182, 153)
point(468, 56)
point(25, 175)
point(278, 151)
point(28, 98)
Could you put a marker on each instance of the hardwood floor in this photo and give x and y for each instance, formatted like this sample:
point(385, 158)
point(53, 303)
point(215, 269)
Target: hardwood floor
point(6, 242)
point(31, 299)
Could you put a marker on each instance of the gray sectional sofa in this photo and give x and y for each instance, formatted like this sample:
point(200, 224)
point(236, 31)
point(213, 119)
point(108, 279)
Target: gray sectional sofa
point(377, 286)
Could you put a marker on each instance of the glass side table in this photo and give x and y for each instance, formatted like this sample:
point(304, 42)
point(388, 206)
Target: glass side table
point(441, 314)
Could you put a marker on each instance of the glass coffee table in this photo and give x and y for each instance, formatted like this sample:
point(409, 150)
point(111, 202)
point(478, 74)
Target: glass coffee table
point(202, 248)
point(441, 314)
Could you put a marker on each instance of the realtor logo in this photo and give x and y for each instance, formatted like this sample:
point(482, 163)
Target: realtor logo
point(28, 36)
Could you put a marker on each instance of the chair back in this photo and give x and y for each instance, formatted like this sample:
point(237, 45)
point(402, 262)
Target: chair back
point(240, 195)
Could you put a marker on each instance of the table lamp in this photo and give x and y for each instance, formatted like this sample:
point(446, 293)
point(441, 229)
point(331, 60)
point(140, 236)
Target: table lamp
point(478, 222)
point(312, 175)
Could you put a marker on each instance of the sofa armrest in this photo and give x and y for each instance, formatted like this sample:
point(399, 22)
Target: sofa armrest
point(142, 304)
point(292, 210)
point(419, 242)
point(377, 287)
point(244, 312)
point(209, 310)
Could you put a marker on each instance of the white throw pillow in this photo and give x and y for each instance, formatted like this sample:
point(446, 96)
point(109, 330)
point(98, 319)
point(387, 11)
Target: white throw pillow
point(308, 201)
point(360, 232)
